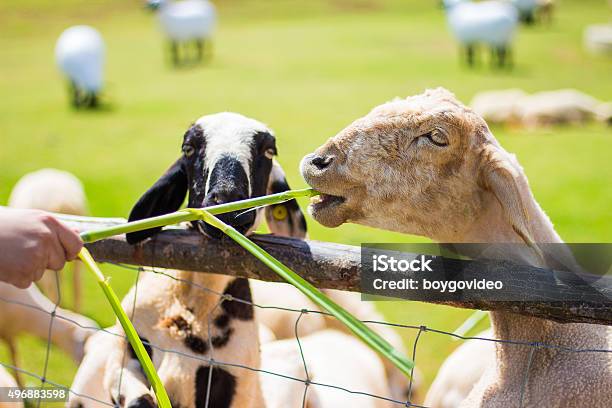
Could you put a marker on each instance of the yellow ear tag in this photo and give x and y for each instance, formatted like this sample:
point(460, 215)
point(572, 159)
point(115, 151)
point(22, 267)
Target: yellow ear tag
point(279, 212)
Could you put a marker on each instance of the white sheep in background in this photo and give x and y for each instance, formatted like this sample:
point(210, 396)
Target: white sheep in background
point(491, 23)
point(184, 22)
point(6, 380)
point(460, 372)
point(79, 53)
point(29, 311)
point(59, 192)
point(333, 358)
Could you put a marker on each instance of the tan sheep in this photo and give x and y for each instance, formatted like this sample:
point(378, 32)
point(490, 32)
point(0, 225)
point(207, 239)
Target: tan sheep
point(29, 311)
point(59, 192)
point(460, 371)
point(429, 166)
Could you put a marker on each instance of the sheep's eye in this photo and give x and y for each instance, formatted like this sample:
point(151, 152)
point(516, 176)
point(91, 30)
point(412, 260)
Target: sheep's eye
point(269, 153)
point(188, 150)
point(437, 138)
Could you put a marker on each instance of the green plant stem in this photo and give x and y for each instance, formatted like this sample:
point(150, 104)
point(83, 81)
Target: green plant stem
point(143, 357)
point(363, 332)
point(186, 215)
point(368, 336)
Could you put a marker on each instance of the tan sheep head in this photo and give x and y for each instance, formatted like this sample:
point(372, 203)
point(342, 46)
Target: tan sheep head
point(424, 165)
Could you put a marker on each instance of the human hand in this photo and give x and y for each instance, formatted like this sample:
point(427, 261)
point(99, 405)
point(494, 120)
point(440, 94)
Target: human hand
point(32, 241)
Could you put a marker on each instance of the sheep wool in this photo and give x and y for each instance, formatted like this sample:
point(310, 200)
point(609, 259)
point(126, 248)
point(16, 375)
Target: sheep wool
point(188, 19)
point(79, 53)
point(492, 23)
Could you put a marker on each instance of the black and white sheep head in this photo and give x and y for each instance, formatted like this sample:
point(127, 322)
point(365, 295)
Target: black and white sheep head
point(225, 157)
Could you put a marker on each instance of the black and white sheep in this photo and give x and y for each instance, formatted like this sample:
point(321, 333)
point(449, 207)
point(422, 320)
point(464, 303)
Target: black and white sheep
point(226, 157)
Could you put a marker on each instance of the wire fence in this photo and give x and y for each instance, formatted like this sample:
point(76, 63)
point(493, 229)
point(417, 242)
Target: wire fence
point(307, 381)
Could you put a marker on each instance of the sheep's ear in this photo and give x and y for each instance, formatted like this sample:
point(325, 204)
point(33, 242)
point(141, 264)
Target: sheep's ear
point(284, 219)
point(501, 178)
point(165, 196)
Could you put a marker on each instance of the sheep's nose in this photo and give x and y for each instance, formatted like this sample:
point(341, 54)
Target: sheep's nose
point(321, 162)
point(224, 196)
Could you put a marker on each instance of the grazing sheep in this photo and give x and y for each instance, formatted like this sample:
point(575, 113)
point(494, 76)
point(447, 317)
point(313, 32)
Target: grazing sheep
point(491, 23)
point(499, 107)
point(54, 191)
point(29, 311)
point(332, 358)
point(226, 157)
point(460, 372)
point(563, 106)
point(428, 165)
point(79, 53)
point(185, 21)
point(6, 380)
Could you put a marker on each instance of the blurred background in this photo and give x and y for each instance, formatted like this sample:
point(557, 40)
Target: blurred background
point(307, 69)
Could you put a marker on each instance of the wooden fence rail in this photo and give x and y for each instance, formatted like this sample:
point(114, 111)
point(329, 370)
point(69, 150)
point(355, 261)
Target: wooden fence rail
point(335, 266)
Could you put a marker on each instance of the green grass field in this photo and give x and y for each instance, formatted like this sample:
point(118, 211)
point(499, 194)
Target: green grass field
point(305, 68)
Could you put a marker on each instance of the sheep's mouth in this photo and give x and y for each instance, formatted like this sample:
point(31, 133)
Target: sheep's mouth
point(329, 210)
point(325, 201)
